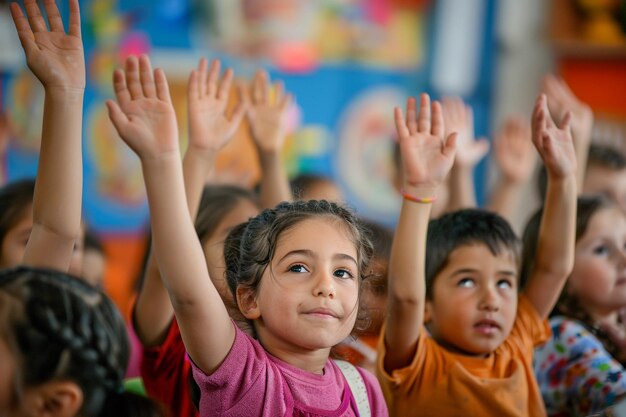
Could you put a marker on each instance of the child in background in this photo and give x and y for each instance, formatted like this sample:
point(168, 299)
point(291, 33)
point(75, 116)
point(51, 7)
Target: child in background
point(316, 187)
point(458, 339)
point(63, 349)
point(360, 350)
point(165, 368)
point(580, 370)
point(606, 174)
point(298, 268)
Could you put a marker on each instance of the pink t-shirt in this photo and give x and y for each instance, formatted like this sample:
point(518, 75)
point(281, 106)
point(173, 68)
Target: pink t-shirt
point(251, 382)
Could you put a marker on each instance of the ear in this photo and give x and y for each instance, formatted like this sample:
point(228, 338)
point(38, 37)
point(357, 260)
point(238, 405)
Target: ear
point(246, 300)
point(56, 399)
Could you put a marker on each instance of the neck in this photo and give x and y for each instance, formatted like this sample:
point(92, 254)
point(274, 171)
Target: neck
point(310, 360)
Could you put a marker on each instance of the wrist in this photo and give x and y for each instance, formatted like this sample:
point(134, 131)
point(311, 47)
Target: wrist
point(161, 161)
point(64, 92)
point(420, 193)
point(269, 156)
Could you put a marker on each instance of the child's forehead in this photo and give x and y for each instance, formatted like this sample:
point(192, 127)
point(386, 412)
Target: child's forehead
point(477, 253)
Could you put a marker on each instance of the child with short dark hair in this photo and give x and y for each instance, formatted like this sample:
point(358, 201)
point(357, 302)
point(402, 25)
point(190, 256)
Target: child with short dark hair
point(458, 339)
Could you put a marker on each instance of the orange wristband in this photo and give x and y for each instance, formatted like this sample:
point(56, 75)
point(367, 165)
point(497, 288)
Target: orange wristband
point(425, 200)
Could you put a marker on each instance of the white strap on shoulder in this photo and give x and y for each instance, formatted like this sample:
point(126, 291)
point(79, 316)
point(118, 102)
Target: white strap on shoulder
point(357, 386)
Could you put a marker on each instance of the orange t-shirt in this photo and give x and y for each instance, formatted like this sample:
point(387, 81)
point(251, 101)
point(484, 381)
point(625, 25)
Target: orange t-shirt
point(442, 383)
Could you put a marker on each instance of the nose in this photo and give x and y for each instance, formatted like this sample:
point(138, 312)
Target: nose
point(489, 300)
point(324, 285)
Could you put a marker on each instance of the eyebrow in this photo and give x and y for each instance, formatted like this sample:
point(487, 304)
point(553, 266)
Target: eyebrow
point(472, 270)
point(310, 254)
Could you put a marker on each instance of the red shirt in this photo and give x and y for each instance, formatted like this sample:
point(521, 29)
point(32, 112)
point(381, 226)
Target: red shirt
point(165, 371)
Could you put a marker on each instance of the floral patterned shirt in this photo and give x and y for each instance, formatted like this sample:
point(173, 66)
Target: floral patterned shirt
point(575, 373)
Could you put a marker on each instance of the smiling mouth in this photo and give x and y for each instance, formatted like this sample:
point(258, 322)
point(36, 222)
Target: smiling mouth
point(322, 313)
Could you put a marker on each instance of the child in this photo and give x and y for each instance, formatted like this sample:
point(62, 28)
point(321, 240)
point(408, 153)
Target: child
point(456, 340)
point(164, 368)
point(606, 174)
point(581, 368)
point(300, 291)
point(63, 349)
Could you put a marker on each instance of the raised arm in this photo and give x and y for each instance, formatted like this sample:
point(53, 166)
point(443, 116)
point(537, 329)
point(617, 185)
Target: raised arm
point(144, 117)
point(459, 118)
point(562, 99)
point(516, 159)
point(427, 157)
point(210, 128)
point(554, 258)
point(267, 115)
point(57, 60)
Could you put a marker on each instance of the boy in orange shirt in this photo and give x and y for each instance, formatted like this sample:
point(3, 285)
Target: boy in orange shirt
point(459, 339)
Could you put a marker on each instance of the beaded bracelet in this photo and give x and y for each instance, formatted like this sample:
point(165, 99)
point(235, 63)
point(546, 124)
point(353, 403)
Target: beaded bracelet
point(424, 200)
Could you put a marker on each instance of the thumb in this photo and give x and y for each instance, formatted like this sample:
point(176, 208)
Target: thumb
point(480, 149)
point(117, 116)
point(449, 148)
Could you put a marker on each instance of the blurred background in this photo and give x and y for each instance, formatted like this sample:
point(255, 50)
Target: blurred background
point(348, 63)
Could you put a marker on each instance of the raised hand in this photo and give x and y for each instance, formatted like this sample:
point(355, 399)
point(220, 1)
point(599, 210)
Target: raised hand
point(143, 115)
point(427, 156)
point(56, 58)
point(210, 128)
point(459, 118)
point(267, 115)
point(560, 100)
point(514, 150)
point(554, 143)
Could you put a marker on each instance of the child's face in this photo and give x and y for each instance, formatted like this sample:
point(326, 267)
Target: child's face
point(474, 300)
point(214, 245)
point(598, 279)
point(608, 182)
point(308, 296)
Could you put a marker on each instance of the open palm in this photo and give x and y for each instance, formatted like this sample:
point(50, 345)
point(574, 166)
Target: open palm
point(210, 127)
point(554, 143)
point(266, 115)
point(144, 116)
point(426, 157)
point(56, 58)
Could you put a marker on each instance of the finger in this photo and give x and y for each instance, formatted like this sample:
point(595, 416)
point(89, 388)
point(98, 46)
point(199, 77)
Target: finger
point(279, 91)
point(26, 36)
point(411, 115)
point(162, 88)
point(260, 87)
point(54, 17)
point(423, 120)
point(401, 125)
point(449, 147)
point(566, 123)
point(35, 18)
point(223, 90)
point(538, 121)
point(145, 74)
point(192, 86)
point(213, 77)
point(132, 77)
point(119, 86)
point(437, 122)
point(480, 149)
point(74, 26)
point(286, 102)
point(548, 118)
point(117, 116)
point(201, 74)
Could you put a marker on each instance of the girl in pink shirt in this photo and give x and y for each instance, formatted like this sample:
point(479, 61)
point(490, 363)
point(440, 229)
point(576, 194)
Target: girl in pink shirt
point(296, 272)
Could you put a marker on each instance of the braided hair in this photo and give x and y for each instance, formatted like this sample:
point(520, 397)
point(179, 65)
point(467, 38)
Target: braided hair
point(61, 328)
